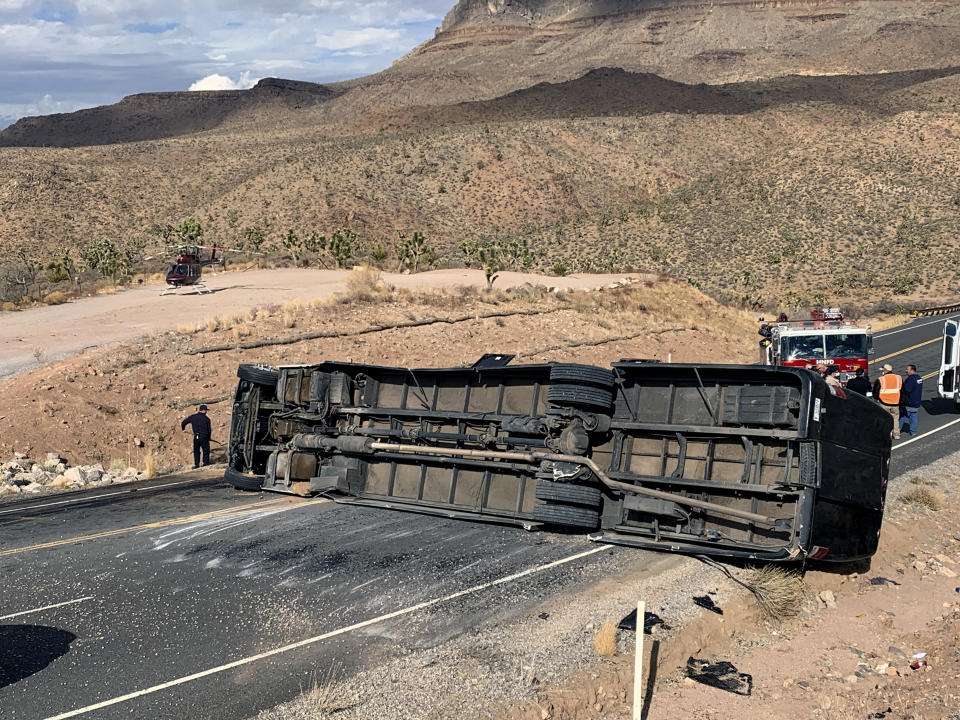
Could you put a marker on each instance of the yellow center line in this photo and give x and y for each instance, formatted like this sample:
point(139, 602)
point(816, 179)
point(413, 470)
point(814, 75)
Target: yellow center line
point(901, 352)
point(248, 509)
point(930, 375)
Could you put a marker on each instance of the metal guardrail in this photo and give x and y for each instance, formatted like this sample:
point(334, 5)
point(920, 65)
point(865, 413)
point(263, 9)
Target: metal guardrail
point(941, 310)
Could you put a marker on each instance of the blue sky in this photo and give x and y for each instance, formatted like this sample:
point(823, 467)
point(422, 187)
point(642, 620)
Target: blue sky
point(63, 55)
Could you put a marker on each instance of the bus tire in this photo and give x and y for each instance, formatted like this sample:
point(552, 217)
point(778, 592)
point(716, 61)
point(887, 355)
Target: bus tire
point(569, 493)
point(581, 375)
point(566, 516)
point(259, 374)
point(242, 481)
point(580, 396)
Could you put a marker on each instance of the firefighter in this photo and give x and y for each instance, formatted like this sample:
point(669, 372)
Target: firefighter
point(886, 390)
point(200, 424)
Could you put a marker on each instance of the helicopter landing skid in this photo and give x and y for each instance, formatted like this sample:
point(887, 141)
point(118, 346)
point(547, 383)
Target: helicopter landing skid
point(200, 288)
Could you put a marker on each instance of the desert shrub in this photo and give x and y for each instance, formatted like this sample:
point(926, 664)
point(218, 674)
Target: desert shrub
point(922, 497)
point(8, 306)
point(55, 298)
point(363, 284)
point(605, 640)
point(779, 592)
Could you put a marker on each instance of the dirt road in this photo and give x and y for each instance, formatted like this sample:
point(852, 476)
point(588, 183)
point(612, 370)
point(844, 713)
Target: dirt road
point(50, 333)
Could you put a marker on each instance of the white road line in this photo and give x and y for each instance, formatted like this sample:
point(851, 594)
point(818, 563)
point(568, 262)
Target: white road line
point(332, 633)
point(912, 326)
point(46, 607)
point(930, 432)
point(93, 497)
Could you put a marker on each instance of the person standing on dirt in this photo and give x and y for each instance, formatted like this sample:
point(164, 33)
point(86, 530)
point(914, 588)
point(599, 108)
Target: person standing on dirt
point(912, 395)
point(886, 391)
point(200, 425)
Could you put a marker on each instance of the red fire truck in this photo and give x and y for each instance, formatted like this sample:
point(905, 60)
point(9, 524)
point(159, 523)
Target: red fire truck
point(825, 339)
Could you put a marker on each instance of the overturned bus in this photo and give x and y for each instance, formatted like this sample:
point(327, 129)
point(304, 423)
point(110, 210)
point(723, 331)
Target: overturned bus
point(766, 463)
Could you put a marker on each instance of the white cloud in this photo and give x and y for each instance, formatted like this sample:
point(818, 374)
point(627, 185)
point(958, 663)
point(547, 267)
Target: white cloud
point(355, 39)
point(46, 105)
point(222, 82)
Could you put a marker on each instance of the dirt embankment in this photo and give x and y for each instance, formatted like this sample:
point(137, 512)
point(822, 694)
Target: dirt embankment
point(125, 402)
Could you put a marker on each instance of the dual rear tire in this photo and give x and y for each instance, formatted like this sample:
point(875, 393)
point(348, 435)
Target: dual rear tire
point(582, 386)
point(567, 505)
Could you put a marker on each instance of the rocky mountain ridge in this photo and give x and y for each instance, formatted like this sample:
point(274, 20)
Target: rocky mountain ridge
point(147, 116)
point(489, 48)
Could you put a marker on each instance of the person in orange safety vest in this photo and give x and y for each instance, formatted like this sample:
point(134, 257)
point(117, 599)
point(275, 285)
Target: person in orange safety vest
point(886, 390)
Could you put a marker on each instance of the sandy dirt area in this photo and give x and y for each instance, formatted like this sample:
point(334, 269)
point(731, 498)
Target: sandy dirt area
point(50, 333)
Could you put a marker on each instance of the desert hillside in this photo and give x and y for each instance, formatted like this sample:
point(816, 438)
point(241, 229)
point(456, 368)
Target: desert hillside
point(776, 156)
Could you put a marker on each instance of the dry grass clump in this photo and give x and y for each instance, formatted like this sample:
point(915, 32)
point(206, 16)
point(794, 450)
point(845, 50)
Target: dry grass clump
point(493, 296)
point(324, 697)
point(185, 329)
point(55, 298)
point(149, 465)
point(583, 303)
point(211, 324)
point(779, 592)
point(364, 285)
point(605, 640)
point(8, 306)
point(922, 497)
point(529, 293)
point(289, 319)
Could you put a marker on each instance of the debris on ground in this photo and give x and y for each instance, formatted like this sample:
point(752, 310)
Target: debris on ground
point(721, 674)
point(707, 603)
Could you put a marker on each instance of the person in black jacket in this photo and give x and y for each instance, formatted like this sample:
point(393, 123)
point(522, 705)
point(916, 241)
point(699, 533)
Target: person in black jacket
point(200, 424)
point(860, 383)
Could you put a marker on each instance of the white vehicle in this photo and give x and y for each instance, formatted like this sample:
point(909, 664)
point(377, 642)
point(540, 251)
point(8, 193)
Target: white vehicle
point(947, 382)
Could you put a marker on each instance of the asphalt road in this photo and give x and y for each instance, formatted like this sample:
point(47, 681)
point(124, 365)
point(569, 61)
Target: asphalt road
point(919, 343)
point(162, 604)
point(186, 599)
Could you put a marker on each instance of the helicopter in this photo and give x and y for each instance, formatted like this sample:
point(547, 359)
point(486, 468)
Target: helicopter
point(187, 269)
